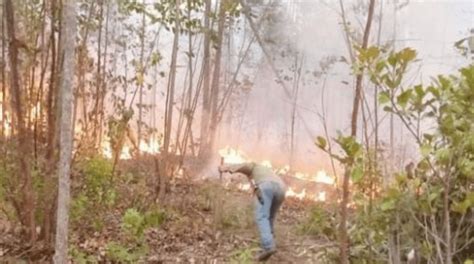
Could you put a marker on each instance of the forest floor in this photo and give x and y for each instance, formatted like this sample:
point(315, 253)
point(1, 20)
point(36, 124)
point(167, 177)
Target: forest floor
point(206, 222)
point(204, 235)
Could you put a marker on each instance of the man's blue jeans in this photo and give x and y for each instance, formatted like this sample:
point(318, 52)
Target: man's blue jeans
point(273, 196)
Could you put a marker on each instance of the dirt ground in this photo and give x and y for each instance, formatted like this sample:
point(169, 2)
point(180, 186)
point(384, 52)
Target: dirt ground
point(207, 222)
point(204, 235)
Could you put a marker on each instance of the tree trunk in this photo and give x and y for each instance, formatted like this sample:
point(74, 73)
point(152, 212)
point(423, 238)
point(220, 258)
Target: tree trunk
point(187, 98)
point(65, 143)
point(39, 96)
point(98, 93)
point(52, 111)
point(82, 55)
point(206, 104)
point(50, 106)
point(216, 79)
point(447, 219)
point(40, 132)
point(4, 81)
point(343, 237)
point(28, 203)
point(103, 87)
point(140, 82)
point(358, 89)
point(296, 87)
point(165, 168)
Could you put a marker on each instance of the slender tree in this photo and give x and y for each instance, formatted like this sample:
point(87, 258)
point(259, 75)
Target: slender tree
point(296, 86)
point(165, 168)
point(4, 82)
point(140, 80)
point(98, 83)
point(67, 81)
point(206, 104)
point(216, 77)
point(28, 205)
point(343, 237)
point(104, 78)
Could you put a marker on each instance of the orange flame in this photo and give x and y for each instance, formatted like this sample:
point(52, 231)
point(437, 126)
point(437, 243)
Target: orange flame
point(323, 177)
point(152, 147)
point(234, 156)
point(267, 163)
point(107, 151)
point(320, 177)
point(300, 195)
point(303, 195)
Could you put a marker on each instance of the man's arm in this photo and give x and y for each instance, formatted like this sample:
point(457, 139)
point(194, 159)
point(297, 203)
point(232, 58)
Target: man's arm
point(246, 169)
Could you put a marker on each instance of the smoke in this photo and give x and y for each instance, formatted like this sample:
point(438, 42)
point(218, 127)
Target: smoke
point(307, 49)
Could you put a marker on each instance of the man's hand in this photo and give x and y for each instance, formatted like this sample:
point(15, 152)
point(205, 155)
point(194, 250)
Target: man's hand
point(258, 193)
point(223, 168)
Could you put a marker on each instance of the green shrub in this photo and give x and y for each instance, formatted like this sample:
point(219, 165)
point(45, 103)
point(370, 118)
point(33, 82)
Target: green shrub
point(81, 257)
point(235, 217)
point(3, 181)
point(79, 206)
point(119, 253)
point(243, 256)
point(133, 223)
point(98, 180)
point(95, 195)
point(320, 222)
point(155, 217)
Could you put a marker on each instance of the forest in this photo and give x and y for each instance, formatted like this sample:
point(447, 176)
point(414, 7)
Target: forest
point(237, 131)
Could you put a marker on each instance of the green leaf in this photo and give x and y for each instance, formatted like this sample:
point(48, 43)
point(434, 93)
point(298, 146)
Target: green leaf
point(372, 52)
point(419, 91)
point(388, 109)
point(468, 202)
point(443, 155)
point(425, 149)
point(357, 174)
point(390, 83)
point(140, 78)
point(403, 98)
point(428, 137)
point(321, 142)
point(380, 66)
point(384, 97)
point(392, 60)
point(408, 54)
point(434, 91)
point(387, 205)
point(461, 207)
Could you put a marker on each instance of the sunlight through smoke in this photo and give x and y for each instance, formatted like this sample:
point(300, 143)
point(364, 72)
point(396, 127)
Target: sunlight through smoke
point(232, 156)
point(322, 177)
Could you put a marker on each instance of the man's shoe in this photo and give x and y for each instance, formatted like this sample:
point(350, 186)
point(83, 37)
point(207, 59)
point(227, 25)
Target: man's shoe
point(266, 254)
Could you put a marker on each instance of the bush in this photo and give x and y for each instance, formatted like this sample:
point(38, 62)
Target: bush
point(243, 256)
point(119, 253)
point(135, 223)
point(320, 222)
point(235, 217)
point(155, 217)
point(81, 257)
point(95, 194)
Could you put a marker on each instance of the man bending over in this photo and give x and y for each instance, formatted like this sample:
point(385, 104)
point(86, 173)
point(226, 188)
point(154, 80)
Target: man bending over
point(269, 190)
